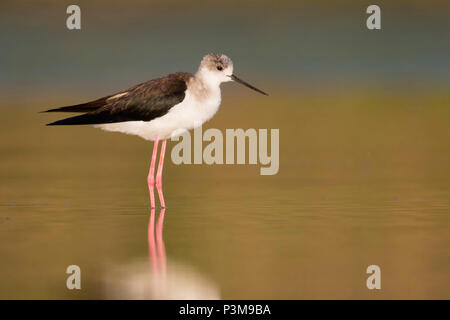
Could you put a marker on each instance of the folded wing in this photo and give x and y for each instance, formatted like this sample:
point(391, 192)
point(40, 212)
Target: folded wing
point(145, 101)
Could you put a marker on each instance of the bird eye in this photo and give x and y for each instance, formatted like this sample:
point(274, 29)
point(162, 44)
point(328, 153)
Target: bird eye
point(219, 68)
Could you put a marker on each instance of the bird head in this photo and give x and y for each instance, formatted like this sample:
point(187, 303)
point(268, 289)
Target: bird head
point(218, 68)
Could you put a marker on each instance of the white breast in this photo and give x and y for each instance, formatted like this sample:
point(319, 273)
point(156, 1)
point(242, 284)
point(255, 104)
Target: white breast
point(192, 112)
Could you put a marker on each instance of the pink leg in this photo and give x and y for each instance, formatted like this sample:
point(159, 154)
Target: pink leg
point(159, 174)
point(151, 174)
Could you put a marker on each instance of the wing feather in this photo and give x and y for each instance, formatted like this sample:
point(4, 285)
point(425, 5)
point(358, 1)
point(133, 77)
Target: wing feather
point(145, 101)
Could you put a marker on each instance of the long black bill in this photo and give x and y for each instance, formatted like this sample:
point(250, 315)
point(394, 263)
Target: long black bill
point(247, 84)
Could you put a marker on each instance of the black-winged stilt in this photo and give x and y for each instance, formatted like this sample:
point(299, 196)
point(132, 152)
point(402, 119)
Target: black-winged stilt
point(159, 109)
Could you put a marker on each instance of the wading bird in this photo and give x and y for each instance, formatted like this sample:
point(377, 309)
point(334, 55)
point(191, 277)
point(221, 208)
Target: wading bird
point(159, 109)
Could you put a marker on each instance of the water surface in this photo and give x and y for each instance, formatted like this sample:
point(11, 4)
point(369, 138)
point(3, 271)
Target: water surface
point(364, 179)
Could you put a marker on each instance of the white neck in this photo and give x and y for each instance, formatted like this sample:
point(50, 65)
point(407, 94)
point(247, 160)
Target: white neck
point(208, 78)
point(204, 85)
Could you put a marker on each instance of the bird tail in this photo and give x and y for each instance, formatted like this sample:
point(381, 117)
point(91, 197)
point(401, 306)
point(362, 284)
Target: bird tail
point(77, 120)
point(82, 107)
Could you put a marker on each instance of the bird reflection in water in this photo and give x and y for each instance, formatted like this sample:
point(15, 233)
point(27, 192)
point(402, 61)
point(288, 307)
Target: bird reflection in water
point(157, 251)
point(156, 276)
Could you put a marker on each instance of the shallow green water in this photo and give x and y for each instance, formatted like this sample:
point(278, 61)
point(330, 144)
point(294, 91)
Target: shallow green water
point(363, 180)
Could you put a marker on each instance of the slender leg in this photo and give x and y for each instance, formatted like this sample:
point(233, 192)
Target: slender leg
point(151, 174)
point(159, 174)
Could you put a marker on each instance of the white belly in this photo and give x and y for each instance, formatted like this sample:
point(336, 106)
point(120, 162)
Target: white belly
point(187, 115)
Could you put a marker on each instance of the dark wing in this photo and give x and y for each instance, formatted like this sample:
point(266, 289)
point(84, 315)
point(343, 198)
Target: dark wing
point(145, 101)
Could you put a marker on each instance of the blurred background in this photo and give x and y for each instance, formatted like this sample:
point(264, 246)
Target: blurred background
point(364, 119)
